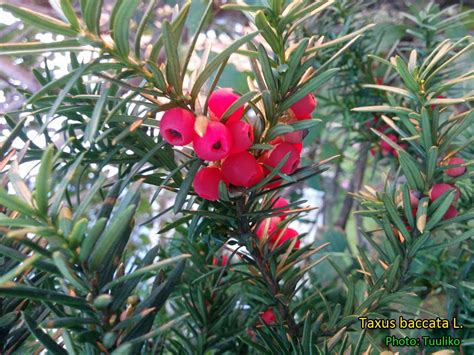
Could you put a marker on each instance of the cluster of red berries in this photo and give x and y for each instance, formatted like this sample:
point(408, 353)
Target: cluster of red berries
point(276, 234)
point(439, 189)
point(225, 145)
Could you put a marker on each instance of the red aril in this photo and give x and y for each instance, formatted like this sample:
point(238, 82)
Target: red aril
point(287, 235)
point(278, 153)
point(177, 126)
point(269, 225)
point(220, 100)
point(457, 171)
point(303, 109)
point(450, 213)
point(206, 183)
point(215, 144)
point(242, 169)
point(279, 203)
point(268, 317)
point(242, 136)
point(439, 189)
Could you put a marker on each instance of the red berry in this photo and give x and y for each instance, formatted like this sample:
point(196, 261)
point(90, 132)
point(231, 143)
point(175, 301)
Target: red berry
point(220, 100)
point(299, 147)
point(373, 151)
point(177, 126)
point(385, 147)
point(206, 183)
point(268, 316)
point(458, 171)
point(414, 199)
point(450, 213)
point(268, 224)
point(276, 155)
point(281, 202)
point(215, 144)
point(440, 189)
point(242, 169)
point(293, 137)
point(242, 136)
point(288, 235)
point(279, 237)
point(303, 109)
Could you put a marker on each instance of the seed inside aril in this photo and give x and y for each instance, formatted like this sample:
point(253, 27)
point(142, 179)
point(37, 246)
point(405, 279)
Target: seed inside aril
point(174, 133)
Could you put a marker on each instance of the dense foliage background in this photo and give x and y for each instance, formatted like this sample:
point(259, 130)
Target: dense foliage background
point(106, 247)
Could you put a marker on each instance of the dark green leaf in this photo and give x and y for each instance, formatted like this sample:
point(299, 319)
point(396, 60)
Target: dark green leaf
point(204, 18)
point(141, 27)
point(412, 171)
point(267, 72)
point(31, 48)
point(173, 74)
point(43, 180)
point(15, 204)
point(186, 186)
point(34, 293)
point(92, 14)
point(150, 270)
point(109, 239)
point(63, 267)
point(310, 86)
point(445, 201)
point(40, 21)
point(240, 102)
point(177, 27)
point(395, 217)
point(120, 25)
point(456, 240)
point(405, 75)
point(70, 13)
point(93, 124)
point(16, 131)
point(268, 32)
point(91, 238)
point(293, 65)
point(43, 337)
